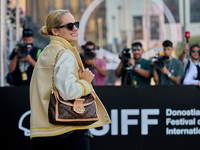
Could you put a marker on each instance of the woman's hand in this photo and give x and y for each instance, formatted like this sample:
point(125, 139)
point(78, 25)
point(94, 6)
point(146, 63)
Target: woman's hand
point(86, 75)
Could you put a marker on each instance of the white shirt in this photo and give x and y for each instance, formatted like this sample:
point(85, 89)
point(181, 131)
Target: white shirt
point(191, 65)
point(65, 80)
point(191, 74)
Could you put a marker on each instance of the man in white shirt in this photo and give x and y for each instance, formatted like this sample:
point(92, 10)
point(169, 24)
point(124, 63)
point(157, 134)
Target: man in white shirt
point(190, 65)
point(193, 76)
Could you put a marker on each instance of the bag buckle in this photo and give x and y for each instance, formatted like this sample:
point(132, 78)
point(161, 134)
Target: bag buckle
point(79, 109)
point(78, 106)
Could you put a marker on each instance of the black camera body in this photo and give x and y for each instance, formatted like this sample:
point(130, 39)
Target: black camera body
point(88, 54)
point(159, 61)
point(127, 71)
point(23, 49)
point(126, 54)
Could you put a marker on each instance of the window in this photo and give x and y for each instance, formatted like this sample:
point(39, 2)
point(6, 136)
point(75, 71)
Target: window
point(138, 32)
point(173, 6)
point(154, 25)
point(194, 11)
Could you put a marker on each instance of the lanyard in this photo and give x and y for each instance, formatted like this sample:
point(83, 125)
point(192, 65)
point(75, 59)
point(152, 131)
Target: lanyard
point(170, 64)
point(169, 68)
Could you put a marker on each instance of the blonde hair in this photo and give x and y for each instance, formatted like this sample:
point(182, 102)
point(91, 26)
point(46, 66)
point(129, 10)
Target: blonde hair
point(53, 21)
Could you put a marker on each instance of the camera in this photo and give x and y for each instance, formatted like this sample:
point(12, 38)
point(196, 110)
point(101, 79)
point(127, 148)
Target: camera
point(88, 54)
point(159, 61)
point(127, 71)
point(23, 49)
point(126, 54)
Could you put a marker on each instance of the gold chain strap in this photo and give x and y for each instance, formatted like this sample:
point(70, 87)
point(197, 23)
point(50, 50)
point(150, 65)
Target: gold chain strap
point(53, 81)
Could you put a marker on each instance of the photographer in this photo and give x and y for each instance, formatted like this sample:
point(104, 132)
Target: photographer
point(141, 67)
point(22, 60)
point(172, 71)
point(96, 65)
point(191, 66)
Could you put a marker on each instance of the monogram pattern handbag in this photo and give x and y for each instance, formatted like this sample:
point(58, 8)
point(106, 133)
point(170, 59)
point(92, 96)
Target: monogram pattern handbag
point(77, 112)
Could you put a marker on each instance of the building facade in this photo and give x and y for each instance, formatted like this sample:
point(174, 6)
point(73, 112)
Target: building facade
point(38, 11)
point(151, 21)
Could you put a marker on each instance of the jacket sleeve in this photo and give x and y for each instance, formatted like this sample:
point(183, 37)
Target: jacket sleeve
point(190, 77)
point(65, 80)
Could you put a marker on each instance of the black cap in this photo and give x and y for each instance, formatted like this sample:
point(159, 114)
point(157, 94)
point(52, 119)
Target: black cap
point(27, 33)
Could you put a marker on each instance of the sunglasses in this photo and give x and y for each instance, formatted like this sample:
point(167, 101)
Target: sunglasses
point(193, 51)
point(28, 32)
point(70, 26)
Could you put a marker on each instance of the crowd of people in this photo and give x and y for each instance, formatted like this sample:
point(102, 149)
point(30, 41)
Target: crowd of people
point(175, 71)
point(60, 69)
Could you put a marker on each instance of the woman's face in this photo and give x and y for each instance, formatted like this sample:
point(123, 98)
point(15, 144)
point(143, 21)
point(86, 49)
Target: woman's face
point(64, 32)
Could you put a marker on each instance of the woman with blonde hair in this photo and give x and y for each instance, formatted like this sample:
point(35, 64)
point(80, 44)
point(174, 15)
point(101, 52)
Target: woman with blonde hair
point(71, 80)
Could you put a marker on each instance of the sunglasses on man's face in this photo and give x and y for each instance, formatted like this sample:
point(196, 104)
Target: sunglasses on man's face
point(28, 32)
point(70, 26)
point(193, 51)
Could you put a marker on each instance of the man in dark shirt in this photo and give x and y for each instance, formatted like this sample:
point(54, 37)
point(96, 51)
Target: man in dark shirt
point(172, 72)
point(141, 67)
point(22, 60)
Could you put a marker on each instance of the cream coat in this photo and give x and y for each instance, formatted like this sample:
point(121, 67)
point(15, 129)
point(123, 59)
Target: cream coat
point(40, 88)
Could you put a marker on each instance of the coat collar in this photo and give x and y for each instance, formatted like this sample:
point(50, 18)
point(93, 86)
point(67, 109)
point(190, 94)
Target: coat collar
point(58, 40)
point(64, 43)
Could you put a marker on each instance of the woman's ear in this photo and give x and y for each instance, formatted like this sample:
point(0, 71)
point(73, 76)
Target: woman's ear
point(54, 31)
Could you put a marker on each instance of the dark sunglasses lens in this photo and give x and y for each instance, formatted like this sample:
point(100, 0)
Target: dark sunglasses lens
point(195, 51)
point(28, 32)
point(70, 26)
point(76, 24)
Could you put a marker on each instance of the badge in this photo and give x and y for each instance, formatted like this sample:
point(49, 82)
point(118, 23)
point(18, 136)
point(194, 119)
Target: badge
point(24, 76)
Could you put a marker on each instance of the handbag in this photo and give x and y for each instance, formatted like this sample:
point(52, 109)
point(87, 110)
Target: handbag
point(78, 112)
